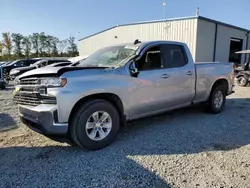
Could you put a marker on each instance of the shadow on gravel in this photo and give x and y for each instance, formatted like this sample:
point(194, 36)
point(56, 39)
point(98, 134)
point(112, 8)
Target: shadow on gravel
point(193, 130)
point(53, 166)
point(7, 122)
point(186, 131)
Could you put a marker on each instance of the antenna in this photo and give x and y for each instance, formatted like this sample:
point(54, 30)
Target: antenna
point(164, 9)
point(197, 11)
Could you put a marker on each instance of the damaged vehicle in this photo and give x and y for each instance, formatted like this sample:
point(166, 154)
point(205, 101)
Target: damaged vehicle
point(89, 103)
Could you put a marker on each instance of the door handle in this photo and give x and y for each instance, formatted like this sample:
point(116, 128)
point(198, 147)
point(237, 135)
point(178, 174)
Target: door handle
point(189, 73)
point(165, 76)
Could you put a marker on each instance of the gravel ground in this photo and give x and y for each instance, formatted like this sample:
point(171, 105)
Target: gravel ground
point(185, 148)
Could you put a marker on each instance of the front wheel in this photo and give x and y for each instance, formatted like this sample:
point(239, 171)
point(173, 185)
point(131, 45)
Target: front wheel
point(242, 81)
point(95, 125)
point(2, 85)
point(217, 99)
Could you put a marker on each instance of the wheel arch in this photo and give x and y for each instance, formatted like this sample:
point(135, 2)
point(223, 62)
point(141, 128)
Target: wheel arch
point(243, 74)
point(218, 82)
point(110, 97)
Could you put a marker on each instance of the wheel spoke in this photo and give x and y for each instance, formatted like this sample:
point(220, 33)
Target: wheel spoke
point(104, 116)
point(102, 134)
point(92, 135)
point(95, 116)
point(107, 125)
point(90, 125)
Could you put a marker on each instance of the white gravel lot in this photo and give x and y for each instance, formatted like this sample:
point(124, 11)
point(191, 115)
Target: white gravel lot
point(185, 148)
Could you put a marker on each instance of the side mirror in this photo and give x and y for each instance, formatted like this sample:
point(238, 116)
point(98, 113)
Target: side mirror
point(133, 69)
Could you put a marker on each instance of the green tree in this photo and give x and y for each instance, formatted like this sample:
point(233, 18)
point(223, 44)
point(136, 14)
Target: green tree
point(62, 46)
point(42, 43)
point(27, 46)
point(54, 42)
point(1, 48)
point(1, 51)
point(7, 43)
point(72, 49)
point(35, 43)
point(17, 40)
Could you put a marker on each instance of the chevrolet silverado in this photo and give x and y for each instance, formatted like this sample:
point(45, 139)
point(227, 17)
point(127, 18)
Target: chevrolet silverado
point(89, 103)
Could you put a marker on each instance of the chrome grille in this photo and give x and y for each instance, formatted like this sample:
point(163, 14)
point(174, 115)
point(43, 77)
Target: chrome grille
point(31, 93)
point(32, 99)
point(29, 81)
point(27, 99)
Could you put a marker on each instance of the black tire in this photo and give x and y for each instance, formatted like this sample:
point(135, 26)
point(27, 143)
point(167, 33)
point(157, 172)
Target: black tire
point(2, 85)
point(242, 81)
point(211, 102)
point(78, 124)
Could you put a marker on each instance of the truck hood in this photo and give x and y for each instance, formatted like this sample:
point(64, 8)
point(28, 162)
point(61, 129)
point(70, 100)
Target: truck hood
point(54, 71)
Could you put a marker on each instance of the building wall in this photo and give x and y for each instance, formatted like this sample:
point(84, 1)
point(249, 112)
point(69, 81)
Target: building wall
point(223, 42)
point(176, 30)
point(205, 41)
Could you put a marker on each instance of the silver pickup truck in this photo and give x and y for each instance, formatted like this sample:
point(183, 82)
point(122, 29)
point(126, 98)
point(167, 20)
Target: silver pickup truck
point(91, 102)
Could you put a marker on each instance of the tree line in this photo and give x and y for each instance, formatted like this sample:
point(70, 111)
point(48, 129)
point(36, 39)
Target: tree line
point(16, 46)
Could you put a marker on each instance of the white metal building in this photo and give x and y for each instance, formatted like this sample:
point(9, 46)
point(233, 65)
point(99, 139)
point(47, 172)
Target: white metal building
point(208, 40)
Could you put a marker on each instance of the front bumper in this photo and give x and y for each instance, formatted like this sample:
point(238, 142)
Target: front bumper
point(42, 119)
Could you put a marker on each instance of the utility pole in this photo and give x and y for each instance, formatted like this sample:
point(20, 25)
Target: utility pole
point(165, 21)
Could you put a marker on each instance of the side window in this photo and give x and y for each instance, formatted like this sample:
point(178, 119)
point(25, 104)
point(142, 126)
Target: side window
point(174, 56)
point(33, 61)
point(20, 63)
point(28, 62)
point(42, 64)
point(51, 62)
point(152, 59)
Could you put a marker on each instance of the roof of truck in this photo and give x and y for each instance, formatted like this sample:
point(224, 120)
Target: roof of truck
point(145, 43)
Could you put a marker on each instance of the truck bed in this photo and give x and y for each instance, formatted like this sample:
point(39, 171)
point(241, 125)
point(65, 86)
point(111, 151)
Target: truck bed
point(207, 73)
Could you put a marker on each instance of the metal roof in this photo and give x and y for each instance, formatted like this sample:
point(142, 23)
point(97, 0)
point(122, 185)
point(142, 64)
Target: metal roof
point(172, 19)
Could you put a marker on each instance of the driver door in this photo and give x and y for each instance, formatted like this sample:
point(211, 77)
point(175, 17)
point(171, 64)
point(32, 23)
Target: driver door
point(153, 86)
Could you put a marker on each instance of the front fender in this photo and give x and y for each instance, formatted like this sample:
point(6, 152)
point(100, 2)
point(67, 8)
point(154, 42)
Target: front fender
point(77, 89)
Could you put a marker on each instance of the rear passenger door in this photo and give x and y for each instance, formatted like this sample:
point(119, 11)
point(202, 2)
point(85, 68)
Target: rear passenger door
point(180, 71)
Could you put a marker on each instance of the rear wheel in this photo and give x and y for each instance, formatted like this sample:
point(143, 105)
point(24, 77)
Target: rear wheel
point(95, 125)
point(217, 99)
point(242, 81)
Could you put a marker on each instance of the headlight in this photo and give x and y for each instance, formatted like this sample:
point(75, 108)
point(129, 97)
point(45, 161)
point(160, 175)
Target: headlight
point(14, 72)
point(53, 82)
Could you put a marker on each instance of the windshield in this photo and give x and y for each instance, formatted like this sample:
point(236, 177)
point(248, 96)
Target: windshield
point(36, 63)
point(109, 56)
point(11, 62)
